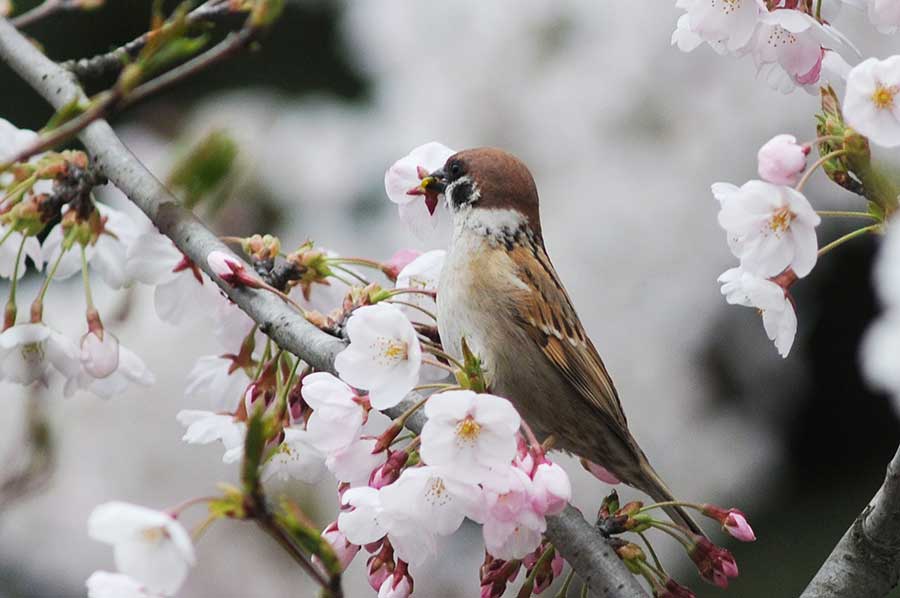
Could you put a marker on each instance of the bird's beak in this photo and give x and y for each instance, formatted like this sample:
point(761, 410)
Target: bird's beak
point(435, 182)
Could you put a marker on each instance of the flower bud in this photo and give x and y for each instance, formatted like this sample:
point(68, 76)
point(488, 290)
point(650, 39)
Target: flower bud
point(399, 584)
point(733, 522)
point(782, 160)
point(398, 261)
point(343, 549)
point(715, 564)
point(230, 270)
point(675, 590)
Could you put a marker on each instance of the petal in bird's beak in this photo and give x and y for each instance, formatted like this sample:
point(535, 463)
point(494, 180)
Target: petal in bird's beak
point(431, 186)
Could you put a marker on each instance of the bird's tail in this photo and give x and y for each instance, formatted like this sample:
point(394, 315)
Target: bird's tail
point(653, 485)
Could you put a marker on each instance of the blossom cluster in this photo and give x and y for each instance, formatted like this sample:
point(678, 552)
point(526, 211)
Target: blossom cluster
point(790, 44)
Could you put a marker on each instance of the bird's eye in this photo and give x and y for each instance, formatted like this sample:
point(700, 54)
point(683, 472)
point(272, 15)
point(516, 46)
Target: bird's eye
point(456, 170)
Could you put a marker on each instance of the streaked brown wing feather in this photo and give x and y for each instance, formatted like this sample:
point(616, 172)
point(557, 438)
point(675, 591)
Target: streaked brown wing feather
point(547, 313)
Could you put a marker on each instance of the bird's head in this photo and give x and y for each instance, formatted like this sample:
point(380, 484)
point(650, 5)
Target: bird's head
point(488, 184)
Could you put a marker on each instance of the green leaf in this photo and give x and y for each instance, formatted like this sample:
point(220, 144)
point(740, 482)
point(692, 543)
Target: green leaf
point(65, 114)
point(205, 168)
point(254, 444)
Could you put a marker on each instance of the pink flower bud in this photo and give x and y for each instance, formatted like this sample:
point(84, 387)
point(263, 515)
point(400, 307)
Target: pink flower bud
point(230, 269)
point(781, 160)
point(715, 564)
point(398, 585)
point(343, 549)
point(600, 472)
point(552, 489)
point(733, 522)
point(676, 590)
point(398, 261)
point(390, 471)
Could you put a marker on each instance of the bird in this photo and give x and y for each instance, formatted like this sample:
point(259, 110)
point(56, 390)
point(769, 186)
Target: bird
point(499, 294)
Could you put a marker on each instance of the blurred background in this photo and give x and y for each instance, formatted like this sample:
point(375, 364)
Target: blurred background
point(624, 135)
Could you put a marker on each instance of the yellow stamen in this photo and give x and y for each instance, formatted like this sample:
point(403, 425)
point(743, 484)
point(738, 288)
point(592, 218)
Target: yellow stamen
point(781, 220)
point(883, 98)
point(467, 430)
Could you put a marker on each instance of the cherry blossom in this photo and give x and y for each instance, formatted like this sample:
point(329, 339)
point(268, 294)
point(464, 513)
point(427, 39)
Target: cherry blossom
point(130, 369)
point(884, 14)
point(779, 320)
point(213, 382)
point(510, 525)
point(727, 25)
point(355, 463)
point(402, 182)
point(344, 550)
point(107, 255)
point(396, 586)
point(398, 261)
point(149, 546)
point(376, 513)
point(421, 274)
point(102, 584)
point(789, 46)
point(782, 160)
point(295, 458)
point(470, 434)
point(30, 352)
point(9, 251)
point(435, 497)
point(384, 356)
point(552, 489)
point(337, 415)
point(99, 356)
point(770, 227)
point(13, 140)
point(733, 521)
point(871, 105)
point(204, 427)
point(181, 288)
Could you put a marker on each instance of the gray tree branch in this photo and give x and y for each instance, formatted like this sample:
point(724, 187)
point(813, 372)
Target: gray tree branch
point(866, 561)
point(577, 540)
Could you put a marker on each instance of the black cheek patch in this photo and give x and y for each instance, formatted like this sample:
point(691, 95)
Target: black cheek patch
point(461, 194)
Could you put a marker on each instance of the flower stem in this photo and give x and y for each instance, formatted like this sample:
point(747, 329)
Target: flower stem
point(11, 307)
point(545, 556)
point(414, 306)
point(841, 240)
point(198, 531)
point(669, 529)
point(656, 560)
point(354, 261)
point(401, 291)
point(440, 353)
point(564, 590)
point(37, 307)
point(6, 235)
point(844, 214)
point(671, 503)
point(819, 11)
point(435, 386)
point(88, 298)
point(350, 272)
point(815, 166)
point(438, 364)
point(175, 511)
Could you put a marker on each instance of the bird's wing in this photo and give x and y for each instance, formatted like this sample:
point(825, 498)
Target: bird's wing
point(546, 312)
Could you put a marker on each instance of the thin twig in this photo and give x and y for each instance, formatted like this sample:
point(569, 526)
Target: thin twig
point(41, 11)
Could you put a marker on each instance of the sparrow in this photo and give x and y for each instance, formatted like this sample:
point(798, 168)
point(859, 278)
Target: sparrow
point(499, 291)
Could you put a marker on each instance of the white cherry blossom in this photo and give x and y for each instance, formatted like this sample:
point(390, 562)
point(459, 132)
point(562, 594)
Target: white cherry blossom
point(881, 344)
point(212, 382)
point(149, 546)
point(422, 274)
point(99, 356)
point(355, 463)
point(384, 355)
point(779, 319)
point(770, 227)
point(30, 352)
point(9, 251)
point(377, 513)
point(403, 178)
point(13, 139)
point(130, 370)
point(725, 24)
point(470, 434)
point(337, 416)
point(204, 427)
point(295, 458)
point(871, 103)
point(108, 256)
point(434, 496)
point(552, 489)
point(395, 588)
point(180, 286)
point(102, 584)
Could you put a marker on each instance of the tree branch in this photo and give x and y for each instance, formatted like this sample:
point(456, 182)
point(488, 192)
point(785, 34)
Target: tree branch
point(575, 539)
point(866, 562)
